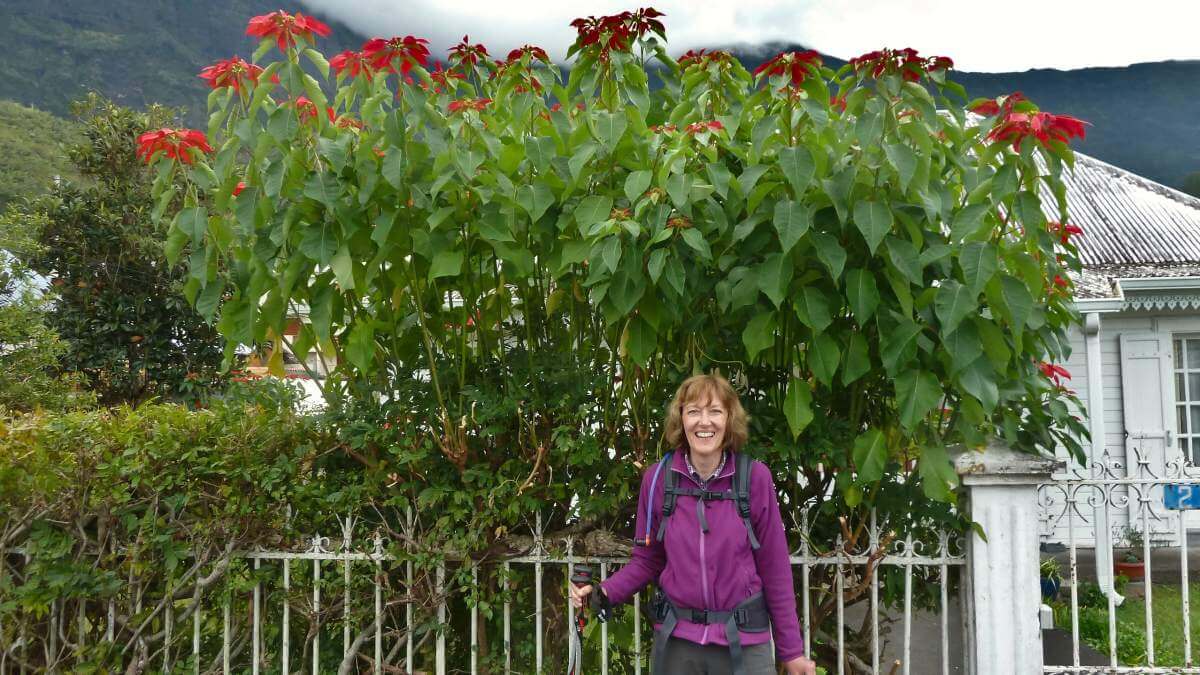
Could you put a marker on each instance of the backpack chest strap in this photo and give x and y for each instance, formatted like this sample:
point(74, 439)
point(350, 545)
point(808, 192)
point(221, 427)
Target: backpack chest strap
point(703, 496)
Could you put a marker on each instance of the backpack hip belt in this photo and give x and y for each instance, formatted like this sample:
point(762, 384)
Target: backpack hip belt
point(750, 615)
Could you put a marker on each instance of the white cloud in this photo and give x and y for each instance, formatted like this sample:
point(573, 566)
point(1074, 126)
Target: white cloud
point(979, 36)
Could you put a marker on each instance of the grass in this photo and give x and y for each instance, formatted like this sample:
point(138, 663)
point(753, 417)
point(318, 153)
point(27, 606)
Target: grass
point(1167, 607)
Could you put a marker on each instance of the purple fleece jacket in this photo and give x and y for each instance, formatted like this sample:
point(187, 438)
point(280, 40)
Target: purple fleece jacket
point(716, 570)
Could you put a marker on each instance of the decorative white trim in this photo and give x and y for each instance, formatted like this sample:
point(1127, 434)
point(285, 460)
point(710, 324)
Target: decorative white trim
point(1162, 301)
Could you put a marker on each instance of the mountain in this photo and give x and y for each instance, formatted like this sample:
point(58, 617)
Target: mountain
point(32, 150)
point(1144, 117)
point(133, 51)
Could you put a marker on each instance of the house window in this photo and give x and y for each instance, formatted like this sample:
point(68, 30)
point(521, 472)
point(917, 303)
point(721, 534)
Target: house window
point(1187, 395)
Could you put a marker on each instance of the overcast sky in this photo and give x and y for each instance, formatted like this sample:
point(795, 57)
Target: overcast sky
point(999, 35)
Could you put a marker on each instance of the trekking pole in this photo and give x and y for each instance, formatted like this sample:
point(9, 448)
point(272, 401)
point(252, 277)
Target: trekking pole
point(581, 576)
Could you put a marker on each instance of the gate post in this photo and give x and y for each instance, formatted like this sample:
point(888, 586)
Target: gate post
point(1001, 592)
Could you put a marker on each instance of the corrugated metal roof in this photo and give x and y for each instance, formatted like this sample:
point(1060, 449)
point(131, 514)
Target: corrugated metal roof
point(1129, 220)
point(1099, 281)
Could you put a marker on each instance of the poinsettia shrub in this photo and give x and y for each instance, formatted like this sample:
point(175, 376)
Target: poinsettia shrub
point(514, 268)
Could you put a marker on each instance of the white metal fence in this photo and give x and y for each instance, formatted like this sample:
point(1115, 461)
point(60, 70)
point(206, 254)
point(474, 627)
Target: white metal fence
point(1117, 504)
point(345, 581)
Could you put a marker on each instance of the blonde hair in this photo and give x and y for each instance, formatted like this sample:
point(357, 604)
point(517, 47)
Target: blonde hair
point(706, 388)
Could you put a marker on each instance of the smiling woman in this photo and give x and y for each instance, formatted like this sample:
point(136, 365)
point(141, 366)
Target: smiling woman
point(726, 532)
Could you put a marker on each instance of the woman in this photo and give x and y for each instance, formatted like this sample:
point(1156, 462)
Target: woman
point(722, 569)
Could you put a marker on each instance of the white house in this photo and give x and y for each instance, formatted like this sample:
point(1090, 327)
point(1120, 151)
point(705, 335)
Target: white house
point(1136, 362)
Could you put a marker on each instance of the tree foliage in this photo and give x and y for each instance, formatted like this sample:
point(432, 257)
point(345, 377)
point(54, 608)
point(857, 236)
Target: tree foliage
point(116, 303)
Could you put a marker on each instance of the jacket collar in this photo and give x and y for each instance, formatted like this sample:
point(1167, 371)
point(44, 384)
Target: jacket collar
point(679, 463)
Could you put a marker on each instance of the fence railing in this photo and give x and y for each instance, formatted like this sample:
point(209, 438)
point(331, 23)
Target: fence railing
point(1115, 504)
point(297, 599)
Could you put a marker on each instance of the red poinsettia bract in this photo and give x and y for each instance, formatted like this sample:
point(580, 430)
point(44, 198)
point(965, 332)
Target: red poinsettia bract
point(353, 61)
point(173, 143)
point(476, 104)
point(906, 62)
point(998, 105)
point(441, 78)
point(233, 72)
point(697, 127)
point(618, 30)
point(1054, 373)
point(535, 53)
point(703, 57)
point(1064, 230)
point(465, 52)
point(795, 65)
point(1043, 126)
point(285, 28)
point(382, 54)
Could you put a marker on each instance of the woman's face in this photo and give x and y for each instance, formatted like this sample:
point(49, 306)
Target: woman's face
point(704, 425)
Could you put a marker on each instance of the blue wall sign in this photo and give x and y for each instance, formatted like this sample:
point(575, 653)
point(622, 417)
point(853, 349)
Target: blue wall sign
point(1181, 497)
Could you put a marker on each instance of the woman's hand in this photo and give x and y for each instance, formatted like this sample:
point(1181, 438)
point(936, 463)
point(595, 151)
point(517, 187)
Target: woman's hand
point(800, 666)
point(579, 594)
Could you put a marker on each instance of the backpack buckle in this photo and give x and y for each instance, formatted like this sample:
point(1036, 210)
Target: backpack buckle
point(711, 495)
point(741, 617)
point(699, 616)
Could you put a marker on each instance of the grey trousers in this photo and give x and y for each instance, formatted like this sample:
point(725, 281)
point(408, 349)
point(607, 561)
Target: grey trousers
point(685, 657)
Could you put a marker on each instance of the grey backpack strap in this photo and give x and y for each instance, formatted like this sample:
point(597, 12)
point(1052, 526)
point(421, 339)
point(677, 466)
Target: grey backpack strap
point(670, 483)
point(741, 491)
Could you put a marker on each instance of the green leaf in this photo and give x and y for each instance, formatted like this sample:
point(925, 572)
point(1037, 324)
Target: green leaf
point(979, 261)
point(812, 308)
point(963, 345)
point(343, 268)
point(759, 334)
point(858, 359)
point(917, 393)
point(792, 220)
point(580, 159)
point(979, 380)
point(194, 222)
point(797, 406)
point(535, 199)
point(903, 159)
point(628, 285)
point(593, 209)
point(658, 260)
point(1029, 210)
point(611, 252)
point(938, 477)
point(176, 239)
point(446, 264)
point(774, 275)
point(797, 165)
point(1018, 299)
point(967, 221)
point(874, 221)
point(323, 188)
point(679, 189)
point(898, 346)
point(994, 344)
point(830, 253)
point(718, 174)
point(953, 303)
point(209, 299)
point(863, 294)
point(540, 150)
point(319, 242)
point(635, 185)
point(360, 345)
point(905, 258)
point(609, 127)
point(823, 358)
point(870, 455)
point(696, 240)
point(641, 342)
